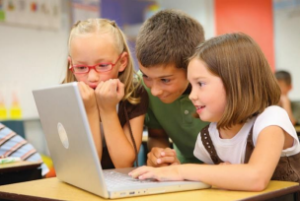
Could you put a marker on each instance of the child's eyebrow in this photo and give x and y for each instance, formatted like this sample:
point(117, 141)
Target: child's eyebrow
point(143, 72)
point(161, 77)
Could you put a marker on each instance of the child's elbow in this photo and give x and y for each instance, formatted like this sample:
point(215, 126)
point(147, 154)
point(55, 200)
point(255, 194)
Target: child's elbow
point(260, 186)
point(259, 183)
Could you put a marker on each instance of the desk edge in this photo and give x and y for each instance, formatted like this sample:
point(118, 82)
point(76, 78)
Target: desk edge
point(274, 194)
point(22, 197)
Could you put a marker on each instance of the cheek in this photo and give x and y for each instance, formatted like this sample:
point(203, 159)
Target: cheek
point(222, 102)
point(81, 78)
point(114, 74)
point(147, 82)
point(175, 87)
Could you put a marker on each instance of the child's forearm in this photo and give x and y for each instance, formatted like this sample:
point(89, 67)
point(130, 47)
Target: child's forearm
point(120, 149)
point(232, 177)
point(94, 122)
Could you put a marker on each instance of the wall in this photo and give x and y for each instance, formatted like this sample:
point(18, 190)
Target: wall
point(32, 58)
point(274, 25)
point(253, 17)
point(201, 10)
point(287, 41)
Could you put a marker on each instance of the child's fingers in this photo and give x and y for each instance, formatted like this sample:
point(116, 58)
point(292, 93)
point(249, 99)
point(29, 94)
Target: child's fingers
point(153, 156)
point(147, 175)
point(120, 89)
point(139, 171)
point(168, 152)
point(168, 159)
point(152, 160)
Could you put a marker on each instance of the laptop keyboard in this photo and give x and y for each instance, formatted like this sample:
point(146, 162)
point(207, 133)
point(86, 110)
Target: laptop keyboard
point(117, 179)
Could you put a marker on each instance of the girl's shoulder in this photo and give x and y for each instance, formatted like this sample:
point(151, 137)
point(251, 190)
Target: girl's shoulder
point(273, 116)
point(273, 113)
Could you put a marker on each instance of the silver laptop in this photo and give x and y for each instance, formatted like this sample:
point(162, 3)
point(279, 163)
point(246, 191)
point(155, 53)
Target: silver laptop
point(74, 156)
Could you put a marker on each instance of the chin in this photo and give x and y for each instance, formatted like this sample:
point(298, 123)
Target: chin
point(203, 118)
point(167, 100)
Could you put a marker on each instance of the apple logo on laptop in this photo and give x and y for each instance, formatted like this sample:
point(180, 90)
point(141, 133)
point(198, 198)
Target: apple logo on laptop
point(63, 135)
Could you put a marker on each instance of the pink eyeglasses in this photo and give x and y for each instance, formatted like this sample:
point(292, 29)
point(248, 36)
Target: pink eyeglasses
point(100, 67)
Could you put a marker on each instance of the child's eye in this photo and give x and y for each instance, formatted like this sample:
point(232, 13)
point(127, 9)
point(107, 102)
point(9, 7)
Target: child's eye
point(201, 84)
point(103, 65)
point(165, 80)
point(145, 77)
point(80, 68)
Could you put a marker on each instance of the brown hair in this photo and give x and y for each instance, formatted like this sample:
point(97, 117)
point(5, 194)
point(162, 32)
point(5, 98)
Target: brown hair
point(284, 76)
point(101, 26)
point(248, 80)
point(168, 37)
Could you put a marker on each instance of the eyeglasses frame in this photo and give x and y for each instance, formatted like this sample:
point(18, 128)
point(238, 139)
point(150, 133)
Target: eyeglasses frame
point(93, 66)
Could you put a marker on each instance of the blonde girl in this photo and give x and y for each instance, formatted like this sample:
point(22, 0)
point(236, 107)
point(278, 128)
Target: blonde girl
point(250, 139)
point(115, 103)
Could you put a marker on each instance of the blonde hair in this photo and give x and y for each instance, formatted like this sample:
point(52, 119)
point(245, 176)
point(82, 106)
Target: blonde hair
point(248, 80)
point(102, 26)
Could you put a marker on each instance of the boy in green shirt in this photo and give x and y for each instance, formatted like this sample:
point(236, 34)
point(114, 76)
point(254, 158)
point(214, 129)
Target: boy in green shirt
point(163, 46)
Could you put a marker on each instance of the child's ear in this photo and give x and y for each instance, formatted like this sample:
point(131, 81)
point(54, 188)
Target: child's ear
point(290, 87)
point(123, 61)
point(69, 62)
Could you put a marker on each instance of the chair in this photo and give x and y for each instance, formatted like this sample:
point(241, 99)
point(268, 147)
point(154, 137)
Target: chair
point(15, 125)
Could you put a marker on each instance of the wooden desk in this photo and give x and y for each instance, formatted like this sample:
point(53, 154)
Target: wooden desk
point(297, 128)
point(20, 165)
point(19, 172)
point(53, 189)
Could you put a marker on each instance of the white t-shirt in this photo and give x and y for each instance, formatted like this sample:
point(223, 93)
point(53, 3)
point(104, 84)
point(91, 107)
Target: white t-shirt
point(233, 150)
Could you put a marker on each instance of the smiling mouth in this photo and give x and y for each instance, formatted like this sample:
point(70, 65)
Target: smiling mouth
point(161, 97)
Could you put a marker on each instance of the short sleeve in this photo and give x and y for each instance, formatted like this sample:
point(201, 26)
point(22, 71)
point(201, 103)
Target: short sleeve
point(133, 110)
point(142, 106)
point(151, 121)
point(275, 115)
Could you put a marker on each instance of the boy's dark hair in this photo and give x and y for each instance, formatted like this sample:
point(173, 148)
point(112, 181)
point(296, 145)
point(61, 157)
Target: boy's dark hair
point(284, 76)
point(168, 37)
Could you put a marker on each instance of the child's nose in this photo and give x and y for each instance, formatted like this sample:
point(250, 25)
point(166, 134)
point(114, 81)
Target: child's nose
point(193, 95)
point(156, 90)
point(93, 75)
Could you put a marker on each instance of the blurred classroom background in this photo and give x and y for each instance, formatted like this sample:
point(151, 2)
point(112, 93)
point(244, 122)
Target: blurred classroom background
point(34, 34)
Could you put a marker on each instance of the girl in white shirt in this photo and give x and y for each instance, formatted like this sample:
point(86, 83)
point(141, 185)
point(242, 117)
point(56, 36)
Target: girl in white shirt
point(250, 140)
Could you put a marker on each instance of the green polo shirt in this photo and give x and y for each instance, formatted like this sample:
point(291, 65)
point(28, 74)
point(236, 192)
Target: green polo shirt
point(178, 122)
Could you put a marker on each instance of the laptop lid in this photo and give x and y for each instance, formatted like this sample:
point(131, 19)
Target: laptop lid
point(69, 138)
point(73, 152)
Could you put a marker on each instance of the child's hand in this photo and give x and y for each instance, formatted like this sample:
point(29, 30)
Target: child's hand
point(109, 94)
point(170, 173)
point(159, 157)
point(88, 96)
